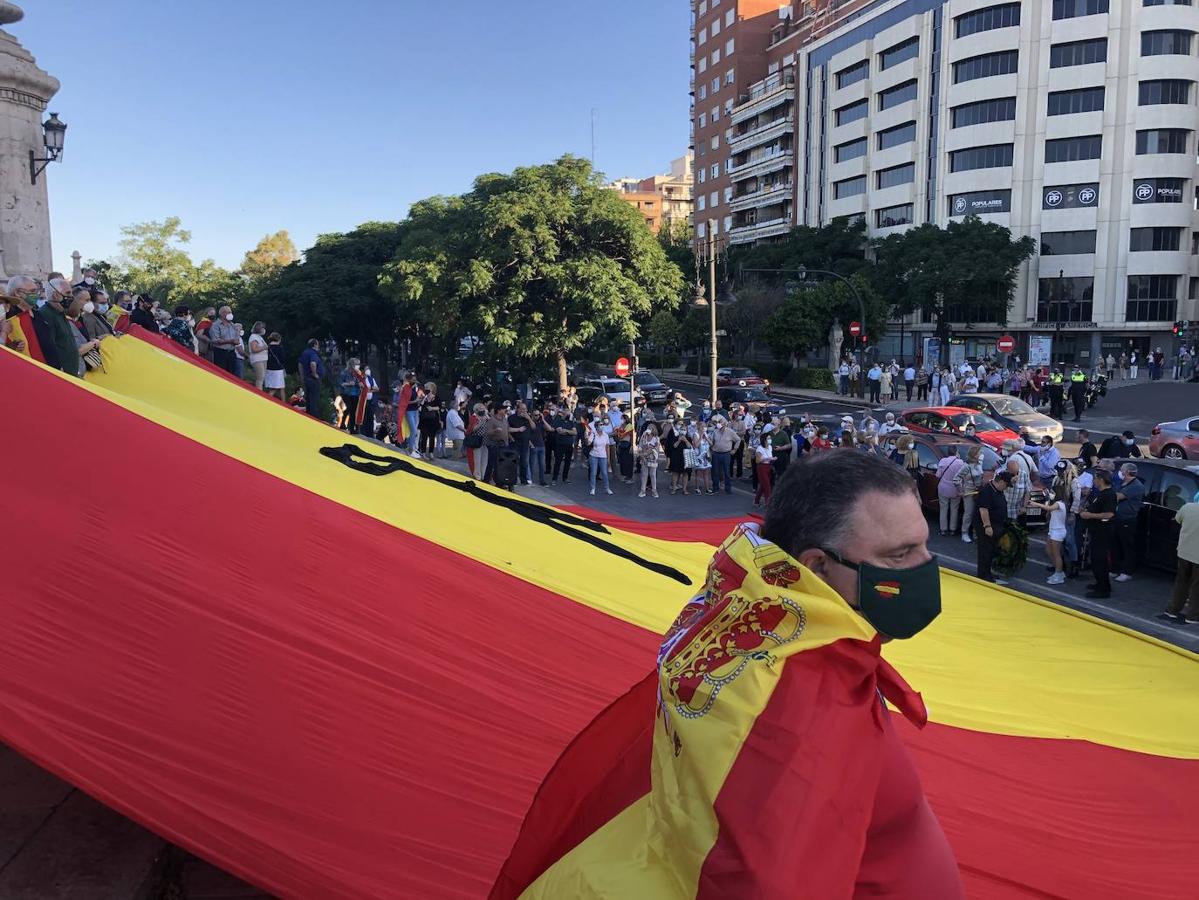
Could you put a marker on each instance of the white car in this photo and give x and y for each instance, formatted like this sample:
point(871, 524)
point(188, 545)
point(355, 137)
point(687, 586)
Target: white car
point(613, 388)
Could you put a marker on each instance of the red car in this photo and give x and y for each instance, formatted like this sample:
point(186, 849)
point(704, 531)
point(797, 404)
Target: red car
point(953, 420)
point(737, 377)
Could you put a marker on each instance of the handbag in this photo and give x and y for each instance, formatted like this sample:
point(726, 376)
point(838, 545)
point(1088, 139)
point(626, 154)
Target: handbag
point(690, 457)
point(473, 441)
point(92, 360)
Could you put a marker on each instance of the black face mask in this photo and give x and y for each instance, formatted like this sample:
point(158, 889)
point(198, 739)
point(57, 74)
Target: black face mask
point(900, 603)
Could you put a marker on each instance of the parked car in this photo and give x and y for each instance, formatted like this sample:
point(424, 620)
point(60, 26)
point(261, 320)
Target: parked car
point(1169, 483)
point(1012, 413)
point(953, 420)
point(753, 397)
point(932, 448)
point(652, 388)
point(739, 377)
point(1175, 440)
point(545, 389)
point(614, 388)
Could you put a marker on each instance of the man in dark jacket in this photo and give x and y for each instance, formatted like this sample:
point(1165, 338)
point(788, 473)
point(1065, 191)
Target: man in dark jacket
point(142, 314)
point(59, 333)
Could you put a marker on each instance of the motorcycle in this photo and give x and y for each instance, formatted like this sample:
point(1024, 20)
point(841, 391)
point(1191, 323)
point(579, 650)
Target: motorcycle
point(1096, 388)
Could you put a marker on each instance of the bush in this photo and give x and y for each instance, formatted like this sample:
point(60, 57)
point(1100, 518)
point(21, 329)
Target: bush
point(820, 379)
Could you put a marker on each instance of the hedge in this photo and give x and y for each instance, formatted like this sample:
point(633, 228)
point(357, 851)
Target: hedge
point(811, 378)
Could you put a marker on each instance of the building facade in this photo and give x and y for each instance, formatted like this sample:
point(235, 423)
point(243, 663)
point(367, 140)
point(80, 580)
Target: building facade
point(663, 200)
point(1072, 121)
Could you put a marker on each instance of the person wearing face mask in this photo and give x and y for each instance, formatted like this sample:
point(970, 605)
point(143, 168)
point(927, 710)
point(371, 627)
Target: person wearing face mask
point(94, 325)
point(16, 321)
point(223, 337)
point(60, 333)
point(258, 355)
point(1048, 456)
point(1099, 514)
point(179, 329)
point(888, 424)
point(969, 481)
point(143, 314)
point(724, 439)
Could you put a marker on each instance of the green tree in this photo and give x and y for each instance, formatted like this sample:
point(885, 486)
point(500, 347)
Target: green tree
point(153, 256)
point(839, 247)
point(968, 269)
point(803, 321)
point(269, 255)
point(664, 331)
point(539, 262)
point(334, 293)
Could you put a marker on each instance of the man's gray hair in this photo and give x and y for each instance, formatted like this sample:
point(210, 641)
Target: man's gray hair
point(60, 286)
point(19, 283)
point(1129, 468)
point(811, 506)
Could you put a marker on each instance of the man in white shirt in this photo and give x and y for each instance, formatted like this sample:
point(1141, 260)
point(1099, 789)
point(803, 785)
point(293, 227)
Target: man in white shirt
point(909, 380)
point(462, 395)
point(889, 424)
point(981, 372)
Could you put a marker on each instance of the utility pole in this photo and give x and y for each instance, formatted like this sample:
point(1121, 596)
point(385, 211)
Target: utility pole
point(712, 304)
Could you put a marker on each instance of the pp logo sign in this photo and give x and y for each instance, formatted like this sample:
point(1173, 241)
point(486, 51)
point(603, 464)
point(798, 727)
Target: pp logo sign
point(1087, 196)
point(1145, 191)
point(1053, 198)
point(959, 206)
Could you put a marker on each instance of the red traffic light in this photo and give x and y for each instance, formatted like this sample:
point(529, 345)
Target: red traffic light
point(622, 367)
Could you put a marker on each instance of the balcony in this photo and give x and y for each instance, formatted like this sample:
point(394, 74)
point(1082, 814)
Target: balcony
point(763, 134)
point(763, 164)
point(744, 234)
point(774, 193)
point(775, 90)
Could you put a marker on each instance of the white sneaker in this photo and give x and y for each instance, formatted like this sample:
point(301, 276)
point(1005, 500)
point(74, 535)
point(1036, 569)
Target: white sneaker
point(642, 494)
point(415, 453)
point(1122, 577)
point(1056, 578)
point(1001, 582)
point(966, 539)
point(593, 492)
point(655, 494)
point(609, 490)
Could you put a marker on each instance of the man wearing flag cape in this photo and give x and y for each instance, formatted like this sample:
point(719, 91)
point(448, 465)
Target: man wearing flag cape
point(761, 760)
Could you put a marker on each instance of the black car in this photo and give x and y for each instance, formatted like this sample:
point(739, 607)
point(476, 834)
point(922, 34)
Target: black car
point(753, 397)
point(1168, 485)
point(652, 389)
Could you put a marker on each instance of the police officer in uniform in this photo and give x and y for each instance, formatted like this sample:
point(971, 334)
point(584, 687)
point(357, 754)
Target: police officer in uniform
point(1078, 392)
point(1057, 394)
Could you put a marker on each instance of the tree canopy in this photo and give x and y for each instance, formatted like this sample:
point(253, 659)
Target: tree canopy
point(538, 263)
point(269, 255)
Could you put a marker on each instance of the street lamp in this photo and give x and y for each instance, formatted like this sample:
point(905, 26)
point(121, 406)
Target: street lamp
point(54, 132)
point(803, 272)
point(723, 295)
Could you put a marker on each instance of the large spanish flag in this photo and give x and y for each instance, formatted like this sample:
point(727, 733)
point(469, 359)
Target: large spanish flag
point(340, 672)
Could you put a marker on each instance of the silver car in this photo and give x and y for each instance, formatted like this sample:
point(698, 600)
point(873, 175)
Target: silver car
point(1013, 413)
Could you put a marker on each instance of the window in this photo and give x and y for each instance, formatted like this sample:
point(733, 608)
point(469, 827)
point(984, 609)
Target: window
point(1065, 299)
point(703, 35)
point(1063, 243)
point(703, 92)
point(850, 187)
point(894, 55)
point(701, 203)
point(1063, 103)
point(894, 215)
point(703, 64)
point(1072, 9)
point(715, 142)
point(1071, 149)
point(1157, 190)
point(989, 157)
point(701, 229)
point(1166, 3)
point(852, 112)
point(1078, 53)
point(716, 56)
point(1002, 63)
point(1166, 43)
point(1162, 140)
point(980, 202)
point(1194, 243)
point(728, 194)
point(853, 74)
point(1152, 298)
point(1163, 90)
point(900, 134)
point(1002, 109)
point(716, 85)
point(1070, 196)
point(728, 47)
point(714, 199)
point(987, 19)
point(893, 96)
point(849, 150)
point(1149, 239)
point(703, 120)
point(728, 107)
point(715, 27)
point(715, 173)
point(730, 76)
point(885, 178)
point(728, 17)
point(715, 113)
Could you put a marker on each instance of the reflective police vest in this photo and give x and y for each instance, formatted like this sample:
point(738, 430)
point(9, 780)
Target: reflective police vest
point(1078, 378)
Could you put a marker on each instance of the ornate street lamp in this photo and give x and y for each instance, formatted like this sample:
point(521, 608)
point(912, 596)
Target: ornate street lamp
point(54, 132)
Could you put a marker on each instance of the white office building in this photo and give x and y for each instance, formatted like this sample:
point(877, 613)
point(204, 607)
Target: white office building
point(1073, 121)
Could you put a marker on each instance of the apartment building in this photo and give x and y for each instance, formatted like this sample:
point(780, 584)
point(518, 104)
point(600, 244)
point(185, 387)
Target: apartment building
point(1073, 121)
point(663, 200)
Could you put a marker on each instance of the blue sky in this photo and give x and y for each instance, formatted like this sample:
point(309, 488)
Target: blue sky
point(246, 116)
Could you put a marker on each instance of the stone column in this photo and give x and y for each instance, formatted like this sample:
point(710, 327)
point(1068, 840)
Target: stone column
point(24, 212)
